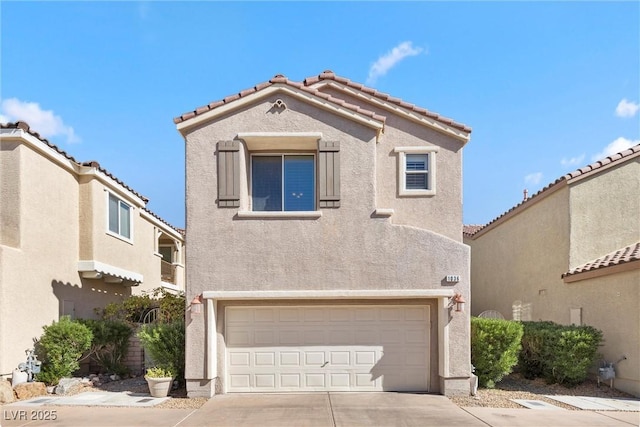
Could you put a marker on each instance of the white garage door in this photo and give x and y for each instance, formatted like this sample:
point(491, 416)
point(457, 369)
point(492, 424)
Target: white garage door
point(321, 348)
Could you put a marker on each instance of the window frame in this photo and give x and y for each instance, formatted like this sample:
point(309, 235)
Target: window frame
point(282, 155)
point(430, 152)
point(120, 202)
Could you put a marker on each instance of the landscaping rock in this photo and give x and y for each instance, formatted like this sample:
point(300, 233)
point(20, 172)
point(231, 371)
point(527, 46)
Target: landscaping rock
point(29, 390)
point(6, 392)
point(66, 384)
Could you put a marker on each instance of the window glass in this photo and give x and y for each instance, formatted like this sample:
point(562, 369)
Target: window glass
point(298, 183)
point(166, 251)
point(113, 214)
point(283, 182)
point(125, 218)
point(266, 176)
point(416, 172)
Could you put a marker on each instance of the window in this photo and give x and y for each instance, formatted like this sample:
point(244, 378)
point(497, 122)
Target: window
point(119, 217)
point(166, 252)
point(416, 171)
point(283, 182)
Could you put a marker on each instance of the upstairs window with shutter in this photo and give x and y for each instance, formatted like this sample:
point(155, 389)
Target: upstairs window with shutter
point(416, 171)
point(283, 182)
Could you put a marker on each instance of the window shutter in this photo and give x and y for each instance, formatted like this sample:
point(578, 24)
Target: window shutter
point(229, 174)
point(329, 173)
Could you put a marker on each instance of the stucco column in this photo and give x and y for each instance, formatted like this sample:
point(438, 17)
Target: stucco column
point(443, 340)
point(212, 343)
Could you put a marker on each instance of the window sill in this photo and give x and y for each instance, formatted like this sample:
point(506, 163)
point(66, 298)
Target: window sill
point(279, 214)
point(417, 193)
point(119, 237)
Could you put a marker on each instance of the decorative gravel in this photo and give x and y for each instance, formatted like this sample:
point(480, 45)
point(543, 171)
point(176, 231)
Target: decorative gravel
point(516, 386)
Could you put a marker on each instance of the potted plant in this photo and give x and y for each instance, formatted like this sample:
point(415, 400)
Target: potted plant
point(159, 380)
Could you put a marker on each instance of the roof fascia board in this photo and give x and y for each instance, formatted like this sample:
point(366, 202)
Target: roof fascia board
point(413, 116)
point(112, 185)
point(525, 205)
point(602, 271)
point(276, 88)
point(40, 147)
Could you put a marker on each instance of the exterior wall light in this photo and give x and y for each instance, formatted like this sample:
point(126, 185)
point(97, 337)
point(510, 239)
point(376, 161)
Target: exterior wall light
point(196, 305)
point(458, 302)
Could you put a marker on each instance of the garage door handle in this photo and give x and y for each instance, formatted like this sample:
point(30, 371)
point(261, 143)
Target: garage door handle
point(324, 364)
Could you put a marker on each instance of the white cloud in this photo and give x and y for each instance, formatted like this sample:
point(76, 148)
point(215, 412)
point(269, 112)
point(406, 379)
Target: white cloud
point(533, 178)
point(573, 161)
point(616, 146)
point(45, 122)
point(627, 108)
point(390, 59)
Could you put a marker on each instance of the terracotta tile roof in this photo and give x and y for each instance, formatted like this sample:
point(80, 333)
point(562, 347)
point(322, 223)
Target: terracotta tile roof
point(92, 163)
point(471, 229)
point(621, 256)
point(330, 75)
point(277, 79)
point(614, 158)
point(153, 214)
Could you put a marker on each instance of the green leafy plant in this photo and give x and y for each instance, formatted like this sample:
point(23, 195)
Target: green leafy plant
point(109, 345)
point(61, 347)
point(165, 342)
point(495, 344)
point(537, 345)
point(159, 372)
point(132, 310)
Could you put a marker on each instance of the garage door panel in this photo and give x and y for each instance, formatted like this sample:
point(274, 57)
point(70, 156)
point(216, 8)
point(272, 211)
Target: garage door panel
point(348, 348)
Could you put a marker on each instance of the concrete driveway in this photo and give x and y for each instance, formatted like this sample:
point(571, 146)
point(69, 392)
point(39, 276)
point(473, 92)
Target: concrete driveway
point(313, 409)
point(331, 409)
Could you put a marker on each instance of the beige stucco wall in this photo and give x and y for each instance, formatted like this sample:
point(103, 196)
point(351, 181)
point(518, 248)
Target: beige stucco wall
point(346, 248)
point(605, 212)
point(47, 211)
point(523, 257)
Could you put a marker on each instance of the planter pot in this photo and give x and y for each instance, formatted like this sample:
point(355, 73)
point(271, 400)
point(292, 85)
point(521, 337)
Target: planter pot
point(159, 387)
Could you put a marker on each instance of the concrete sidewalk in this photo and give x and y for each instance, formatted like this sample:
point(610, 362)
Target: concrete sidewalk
point(314, 409)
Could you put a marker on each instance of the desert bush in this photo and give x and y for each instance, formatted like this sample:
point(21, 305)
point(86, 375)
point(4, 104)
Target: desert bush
point(133, 309)
point(560, 354)
point(165, 344)
point(495, 344)
point(109, 345)
point(60, 348)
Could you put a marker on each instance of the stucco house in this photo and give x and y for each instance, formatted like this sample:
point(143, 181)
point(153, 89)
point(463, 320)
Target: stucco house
point(73, 237)
point(324, 223)
point(570, 254)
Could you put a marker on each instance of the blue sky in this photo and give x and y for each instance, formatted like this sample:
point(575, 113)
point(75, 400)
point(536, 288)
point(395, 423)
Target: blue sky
point(546, 86)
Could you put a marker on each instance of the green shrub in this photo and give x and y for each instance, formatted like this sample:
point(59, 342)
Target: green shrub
point(60, 349)
point(159, 373)
point(560, 354)
point(495, 344)
point(576, 350)
point(133, 309)
point(537, 345)
point(165, 344)
point(109, 345)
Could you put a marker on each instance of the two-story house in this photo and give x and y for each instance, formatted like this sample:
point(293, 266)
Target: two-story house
point(570, 254)
point(73, 237)
point(325, 253)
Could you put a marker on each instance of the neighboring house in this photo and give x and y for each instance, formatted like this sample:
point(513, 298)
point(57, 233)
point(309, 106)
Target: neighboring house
point(73, 237)
point(320, 241)
point(570, 254)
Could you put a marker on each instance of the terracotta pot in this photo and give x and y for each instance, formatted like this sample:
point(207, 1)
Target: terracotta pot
point(159, 387)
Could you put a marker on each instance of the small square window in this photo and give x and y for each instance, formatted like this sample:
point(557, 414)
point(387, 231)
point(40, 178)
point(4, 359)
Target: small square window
point(283, 182)
point(119, 217)
point(416, 171)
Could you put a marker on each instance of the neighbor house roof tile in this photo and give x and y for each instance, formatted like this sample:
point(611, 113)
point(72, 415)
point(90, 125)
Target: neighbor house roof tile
point(471, 229)
point(614, 158)
point(621, 256)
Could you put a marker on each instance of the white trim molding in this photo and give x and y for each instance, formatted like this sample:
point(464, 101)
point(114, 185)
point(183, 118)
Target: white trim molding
point(330, 294)
point(280, 140)
point(92, 269)
point(279, 214)
point(430, 151)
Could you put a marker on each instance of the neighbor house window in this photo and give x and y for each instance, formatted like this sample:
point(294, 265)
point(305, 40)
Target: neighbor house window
point(119, 217)
point(283, 182)
point(416, 171)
